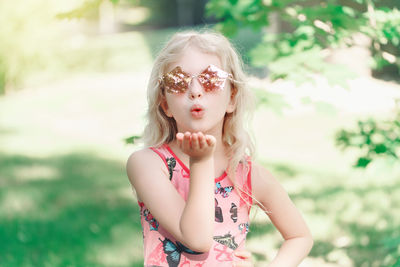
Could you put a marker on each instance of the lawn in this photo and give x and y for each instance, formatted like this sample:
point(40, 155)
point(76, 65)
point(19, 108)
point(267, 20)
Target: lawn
point(65, 199)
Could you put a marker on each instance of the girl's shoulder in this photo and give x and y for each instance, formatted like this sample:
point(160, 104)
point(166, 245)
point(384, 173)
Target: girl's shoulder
point(145, 167)
point(141, 154)
point(258, 171)
point(262, 180)
point(142, 160)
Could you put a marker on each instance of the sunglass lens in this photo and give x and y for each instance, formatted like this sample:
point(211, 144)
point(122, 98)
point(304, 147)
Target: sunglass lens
point(176, 81)
point(213, 78)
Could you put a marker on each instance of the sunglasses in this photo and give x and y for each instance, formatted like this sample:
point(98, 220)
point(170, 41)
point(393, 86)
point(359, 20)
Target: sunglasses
point(211, 79)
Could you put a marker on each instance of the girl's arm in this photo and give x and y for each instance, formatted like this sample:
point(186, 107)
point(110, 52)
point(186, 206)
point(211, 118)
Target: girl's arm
point(284, 215)
point(191, 222)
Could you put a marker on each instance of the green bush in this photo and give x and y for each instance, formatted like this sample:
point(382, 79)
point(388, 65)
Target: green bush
point(373, 139)
point(310, 27)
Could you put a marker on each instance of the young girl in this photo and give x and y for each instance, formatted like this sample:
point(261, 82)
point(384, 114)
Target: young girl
point(195, 180)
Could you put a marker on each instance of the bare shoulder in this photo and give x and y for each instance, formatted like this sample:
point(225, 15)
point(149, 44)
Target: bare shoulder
point(265, 185)
point(261, 176)
point(142, 161)
point(141, 156)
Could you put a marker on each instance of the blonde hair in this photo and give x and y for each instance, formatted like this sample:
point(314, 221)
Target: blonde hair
point(162, 129)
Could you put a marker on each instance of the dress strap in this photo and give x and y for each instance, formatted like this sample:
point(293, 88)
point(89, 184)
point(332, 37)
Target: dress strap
point(159, 151)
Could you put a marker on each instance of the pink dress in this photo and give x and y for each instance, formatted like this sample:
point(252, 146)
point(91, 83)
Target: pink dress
point(230, 227)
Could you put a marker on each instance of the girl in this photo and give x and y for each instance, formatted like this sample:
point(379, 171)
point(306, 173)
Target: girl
point(195, 181)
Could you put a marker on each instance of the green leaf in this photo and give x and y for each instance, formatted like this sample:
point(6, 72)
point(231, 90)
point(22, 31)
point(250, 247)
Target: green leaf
point(131, 139)
point(380, 148)
point(362, 162)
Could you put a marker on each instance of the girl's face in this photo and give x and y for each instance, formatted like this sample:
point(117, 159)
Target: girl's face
point(197, 108)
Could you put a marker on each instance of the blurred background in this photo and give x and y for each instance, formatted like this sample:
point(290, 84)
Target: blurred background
point(73, 77)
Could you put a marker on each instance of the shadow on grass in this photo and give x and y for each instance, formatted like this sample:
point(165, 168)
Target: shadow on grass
point(72, 210)
point(364, 225)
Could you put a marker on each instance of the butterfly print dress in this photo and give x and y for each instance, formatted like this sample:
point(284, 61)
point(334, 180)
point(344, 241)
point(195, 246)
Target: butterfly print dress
point(231, 219)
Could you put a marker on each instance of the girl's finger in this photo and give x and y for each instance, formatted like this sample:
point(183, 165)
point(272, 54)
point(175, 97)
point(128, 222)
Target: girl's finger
point(194, 141)
point(202, 140)
point(186, 141)
point(179, 138)
point(210, 140)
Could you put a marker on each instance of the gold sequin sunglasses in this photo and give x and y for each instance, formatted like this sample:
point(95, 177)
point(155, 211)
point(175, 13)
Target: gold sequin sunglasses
point(211, 79)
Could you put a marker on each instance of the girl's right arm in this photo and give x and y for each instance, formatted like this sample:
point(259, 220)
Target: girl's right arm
point(191, 223)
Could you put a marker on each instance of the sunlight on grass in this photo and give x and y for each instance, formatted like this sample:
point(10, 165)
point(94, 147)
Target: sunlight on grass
point(122, 250)
point(126, 193)
point(32, 173)
point(15, 203)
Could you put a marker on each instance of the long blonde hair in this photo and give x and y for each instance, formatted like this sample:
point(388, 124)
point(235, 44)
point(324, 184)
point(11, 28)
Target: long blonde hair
point(162, 129)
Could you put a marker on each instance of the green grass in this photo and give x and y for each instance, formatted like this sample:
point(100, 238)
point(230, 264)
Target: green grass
point(65, 199)
point(71, 210)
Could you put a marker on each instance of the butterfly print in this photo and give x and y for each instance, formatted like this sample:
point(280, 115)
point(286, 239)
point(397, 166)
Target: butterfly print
point(218, 212)
point(171, 162)
point(227, 240)
point(233, 212)
point(151, 220)
point(157, 256)
point(222, 253)
point(224, 191)
point(174, 251)
point(244, 228)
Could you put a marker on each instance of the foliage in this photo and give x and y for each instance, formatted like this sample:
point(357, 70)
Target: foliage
point(88, 9)
point(374, 138)
point(132, 139)
point(162, 13)
point(385, 36)
point(311, 30)
point(25, 38)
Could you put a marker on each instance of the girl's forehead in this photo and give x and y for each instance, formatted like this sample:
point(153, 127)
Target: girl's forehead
point(194, 61)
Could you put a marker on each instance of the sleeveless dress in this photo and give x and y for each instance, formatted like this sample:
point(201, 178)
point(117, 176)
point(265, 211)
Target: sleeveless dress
point(230, 227)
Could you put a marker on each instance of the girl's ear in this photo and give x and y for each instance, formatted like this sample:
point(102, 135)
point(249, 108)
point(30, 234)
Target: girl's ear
point(232, 103)
point(164, 106)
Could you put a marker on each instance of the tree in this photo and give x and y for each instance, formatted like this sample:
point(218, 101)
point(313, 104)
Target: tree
point(309, 30)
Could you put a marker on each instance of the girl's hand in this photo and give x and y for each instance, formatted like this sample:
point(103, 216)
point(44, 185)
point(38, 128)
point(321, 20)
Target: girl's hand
point(244, 259)
point(196, 145)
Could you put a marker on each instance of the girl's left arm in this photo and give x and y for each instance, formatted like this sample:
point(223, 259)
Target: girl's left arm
point(284, 215)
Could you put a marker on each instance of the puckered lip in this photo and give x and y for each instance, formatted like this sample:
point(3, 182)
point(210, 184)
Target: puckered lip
point(197, 108)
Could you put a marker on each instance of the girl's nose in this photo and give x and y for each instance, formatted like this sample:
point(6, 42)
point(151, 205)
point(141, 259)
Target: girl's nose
point(195, 89)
